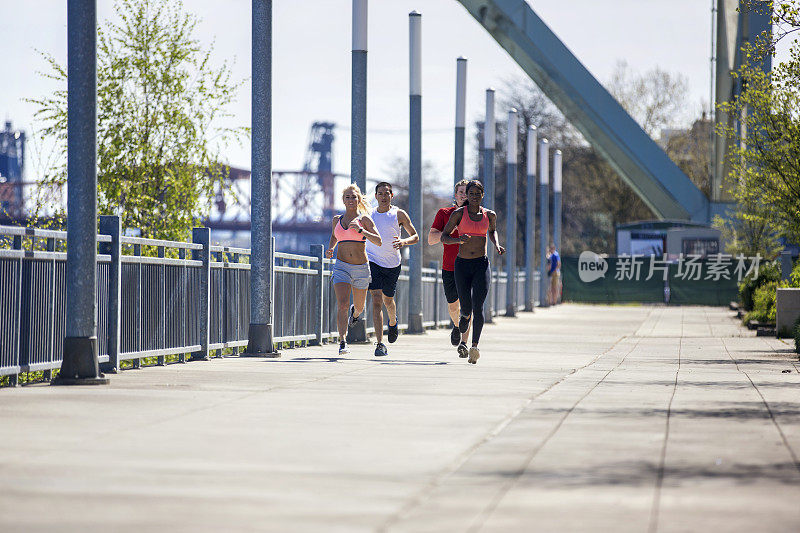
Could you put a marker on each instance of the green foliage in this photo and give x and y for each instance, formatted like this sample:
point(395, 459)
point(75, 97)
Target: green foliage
point(764, 303)
point(765, 148)
point(158, 103)
point(768, 272)
point(795, 275)
point(796, 332)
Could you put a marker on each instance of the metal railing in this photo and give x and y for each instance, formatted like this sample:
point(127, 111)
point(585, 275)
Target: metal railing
point(157, 299)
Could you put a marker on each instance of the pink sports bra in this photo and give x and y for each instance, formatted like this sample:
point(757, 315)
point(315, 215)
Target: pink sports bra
point(343, 234)
point(467, 226)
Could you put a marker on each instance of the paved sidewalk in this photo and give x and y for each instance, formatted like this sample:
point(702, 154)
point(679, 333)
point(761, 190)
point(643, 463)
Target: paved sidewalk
point(577, 418)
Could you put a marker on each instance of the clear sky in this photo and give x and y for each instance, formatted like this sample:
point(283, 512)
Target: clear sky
point(311, 70)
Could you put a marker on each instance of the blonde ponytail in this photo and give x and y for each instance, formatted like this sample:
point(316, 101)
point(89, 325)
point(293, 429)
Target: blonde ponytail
point(363, 206)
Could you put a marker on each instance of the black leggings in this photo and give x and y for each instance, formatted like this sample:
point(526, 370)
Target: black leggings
point(472, 282)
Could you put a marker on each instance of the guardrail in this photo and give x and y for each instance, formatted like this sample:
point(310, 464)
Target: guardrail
point(167, 299)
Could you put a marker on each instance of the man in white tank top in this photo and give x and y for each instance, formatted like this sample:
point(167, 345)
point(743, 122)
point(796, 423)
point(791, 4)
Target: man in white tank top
point(384, 261)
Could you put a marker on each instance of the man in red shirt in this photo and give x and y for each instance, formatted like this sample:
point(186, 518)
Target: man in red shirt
point(448, 265)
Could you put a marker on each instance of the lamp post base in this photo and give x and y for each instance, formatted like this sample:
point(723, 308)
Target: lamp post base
point(260, 343)
point(79, 366)
point(415, 324)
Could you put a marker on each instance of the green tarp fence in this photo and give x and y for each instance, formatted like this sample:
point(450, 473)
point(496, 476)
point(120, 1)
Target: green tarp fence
point(624, 280)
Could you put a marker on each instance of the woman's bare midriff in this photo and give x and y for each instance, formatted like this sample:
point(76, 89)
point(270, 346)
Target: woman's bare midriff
point(352, 252)
point(474, 247)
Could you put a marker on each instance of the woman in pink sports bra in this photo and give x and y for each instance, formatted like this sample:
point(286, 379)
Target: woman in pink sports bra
point(351, 270)
point(472, 265)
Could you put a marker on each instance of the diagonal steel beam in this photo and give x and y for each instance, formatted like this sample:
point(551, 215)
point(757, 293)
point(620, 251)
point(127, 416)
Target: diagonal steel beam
point(590, 108)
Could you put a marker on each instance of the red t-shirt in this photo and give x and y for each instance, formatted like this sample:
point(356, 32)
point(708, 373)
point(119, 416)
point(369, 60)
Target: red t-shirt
point(450, 250)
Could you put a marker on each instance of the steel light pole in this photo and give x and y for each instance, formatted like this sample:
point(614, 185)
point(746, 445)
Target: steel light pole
point(80, 360)
point(530, 218)
point(358, 118)
point(511, 214)
point(415, 169)
point(260, 333)
point(461, 106)
point(544, 191)
point(488, 185)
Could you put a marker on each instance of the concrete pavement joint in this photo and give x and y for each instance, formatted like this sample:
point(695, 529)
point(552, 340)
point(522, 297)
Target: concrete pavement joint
point(484, 515)
point(662, 461)
point(464, 457)
point(766, 405)
point(152, 423)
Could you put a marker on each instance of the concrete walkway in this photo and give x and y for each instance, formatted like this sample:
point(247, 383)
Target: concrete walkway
point(578, 418)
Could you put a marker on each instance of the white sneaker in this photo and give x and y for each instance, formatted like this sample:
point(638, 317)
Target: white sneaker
point(474, 353)
point(343, 348)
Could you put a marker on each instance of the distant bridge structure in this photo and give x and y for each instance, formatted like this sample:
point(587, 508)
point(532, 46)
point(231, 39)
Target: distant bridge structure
point(640, 162)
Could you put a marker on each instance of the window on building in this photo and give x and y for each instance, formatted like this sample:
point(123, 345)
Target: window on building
point(702, 247)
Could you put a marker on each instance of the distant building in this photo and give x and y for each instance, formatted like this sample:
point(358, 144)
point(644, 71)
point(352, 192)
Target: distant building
point(667, 237)
point(12, 166)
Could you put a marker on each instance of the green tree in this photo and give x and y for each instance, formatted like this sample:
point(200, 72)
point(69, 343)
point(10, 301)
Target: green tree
point(765, 149)
point(159, 99)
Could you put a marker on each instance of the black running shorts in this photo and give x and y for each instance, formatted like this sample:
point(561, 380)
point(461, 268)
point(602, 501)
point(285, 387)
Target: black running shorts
point(384, 279)
point(449, 284)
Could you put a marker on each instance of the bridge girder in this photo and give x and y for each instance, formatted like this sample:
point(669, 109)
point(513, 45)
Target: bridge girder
point(640, 162)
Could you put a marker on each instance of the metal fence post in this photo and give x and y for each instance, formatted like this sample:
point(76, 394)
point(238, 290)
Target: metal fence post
point(112, 226)
point(13, 379)
point(162, 287)
point(435, 266)
point(138, 323)
point(318, 251)
point(203, 236)
point(50, 246)
point(185, 307)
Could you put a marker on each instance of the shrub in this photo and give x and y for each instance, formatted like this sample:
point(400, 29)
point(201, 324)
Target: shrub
point(764, 303)
point(796, 332)
point(795, 277)
point(768, 272)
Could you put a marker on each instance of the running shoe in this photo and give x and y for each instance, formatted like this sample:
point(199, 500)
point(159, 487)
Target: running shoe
point(380, 350)
point(343, 348)
point(351, 317)
point(455, 336)
point(393, 332)
point(463, 324)
point(463, 351)
point(474, 353)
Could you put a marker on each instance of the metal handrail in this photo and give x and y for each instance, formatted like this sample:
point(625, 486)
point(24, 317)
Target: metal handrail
point(157, 242)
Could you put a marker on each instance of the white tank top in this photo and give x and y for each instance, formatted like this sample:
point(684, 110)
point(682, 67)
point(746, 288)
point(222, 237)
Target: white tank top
point(389, 229)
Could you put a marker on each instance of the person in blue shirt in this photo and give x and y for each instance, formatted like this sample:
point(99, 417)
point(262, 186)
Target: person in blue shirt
point(554, 273)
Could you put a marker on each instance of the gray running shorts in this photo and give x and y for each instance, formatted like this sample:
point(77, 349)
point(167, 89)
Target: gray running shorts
point(356, 275)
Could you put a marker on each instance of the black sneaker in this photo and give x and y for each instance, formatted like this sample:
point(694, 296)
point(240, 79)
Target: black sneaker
point(392, 333)
point(380, 350)
point(455, 336)
point(343, 348)
point(351, 317)
point(463, 351)
point(463, 324)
